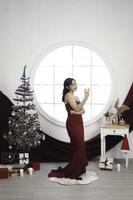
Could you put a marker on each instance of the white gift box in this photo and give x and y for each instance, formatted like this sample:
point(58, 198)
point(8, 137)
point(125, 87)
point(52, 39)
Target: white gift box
point(106, 163)
point(23, 158)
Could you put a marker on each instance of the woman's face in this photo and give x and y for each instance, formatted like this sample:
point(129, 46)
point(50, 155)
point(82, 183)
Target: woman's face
point(73, 86)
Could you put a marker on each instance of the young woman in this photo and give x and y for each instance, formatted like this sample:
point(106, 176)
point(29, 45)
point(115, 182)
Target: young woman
point(74, 124)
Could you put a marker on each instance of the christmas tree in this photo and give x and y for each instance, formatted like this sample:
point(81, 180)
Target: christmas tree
point(24, 127)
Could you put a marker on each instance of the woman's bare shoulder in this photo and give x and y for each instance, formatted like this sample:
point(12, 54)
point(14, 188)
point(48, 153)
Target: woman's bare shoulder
point(76, 98)
point(68, 97)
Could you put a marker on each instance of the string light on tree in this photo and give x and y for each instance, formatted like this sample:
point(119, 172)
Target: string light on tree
point(24, 126)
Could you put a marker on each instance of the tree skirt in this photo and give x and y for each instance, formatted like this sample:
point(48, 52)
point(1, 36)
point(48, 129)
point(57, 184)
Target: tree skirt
point(87, 178)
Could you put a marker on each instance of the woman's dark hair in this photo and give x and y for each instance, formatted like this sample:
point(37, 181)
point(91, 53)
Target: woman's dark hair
point(67, 83)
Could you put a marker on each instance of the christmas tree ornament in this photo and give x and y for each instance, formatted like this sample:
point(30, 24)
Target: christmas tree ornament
point(24, 126)
point(8, 158)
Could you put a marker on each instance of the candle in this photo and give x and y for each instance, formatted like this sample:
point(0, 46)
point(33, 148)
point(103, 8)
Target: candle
point(118, 167)
point(21, 172)
point(30, 171)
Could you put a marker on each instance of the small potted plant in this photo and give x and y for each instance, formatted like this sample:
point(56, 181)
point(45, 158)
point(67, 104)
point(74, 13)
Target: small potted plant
point(107, 117)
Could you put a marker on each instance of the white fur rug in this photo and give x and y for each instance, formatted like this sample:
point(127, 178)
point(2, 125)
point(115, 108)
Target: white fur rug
point(87, 178)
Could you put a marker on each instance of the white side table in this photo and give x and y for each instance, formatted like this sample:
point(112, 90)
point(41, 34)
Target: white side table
point(114, 130)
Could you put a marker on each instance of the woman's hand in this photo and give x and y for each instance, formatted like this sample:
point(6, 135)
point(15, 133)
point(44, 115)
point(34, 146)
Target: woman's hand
point(86, 93)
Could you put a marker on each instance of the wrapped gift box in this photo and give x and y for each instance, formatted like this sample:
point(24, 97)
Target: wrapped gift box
point(35, 165)
point(9, 167)
point(106, 163)
point(23, 158)
point(4, 173)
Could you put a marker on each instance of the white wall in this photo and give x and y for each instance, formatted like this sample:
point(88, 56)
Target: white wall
point(29, 27)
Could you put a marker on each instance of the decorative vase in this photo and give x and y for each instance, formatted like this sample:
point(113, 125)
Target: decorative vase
point(115, 119)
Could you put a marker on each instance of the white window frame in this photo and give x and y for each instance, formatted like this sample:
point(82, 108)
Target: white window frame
point(92, 48)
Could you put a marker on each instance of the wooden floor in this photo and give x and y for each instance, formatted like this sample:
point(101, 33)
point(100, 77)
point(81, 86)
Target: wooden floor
point(111, 185)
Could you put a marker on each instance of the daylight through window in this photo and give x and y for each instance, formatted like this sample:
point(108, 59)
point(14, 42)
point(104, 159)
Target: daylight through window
point(86, 67)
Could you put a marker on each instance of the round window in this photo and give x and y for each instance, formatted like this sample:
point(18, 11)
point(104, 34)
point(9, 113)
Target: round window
point(80, 63)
